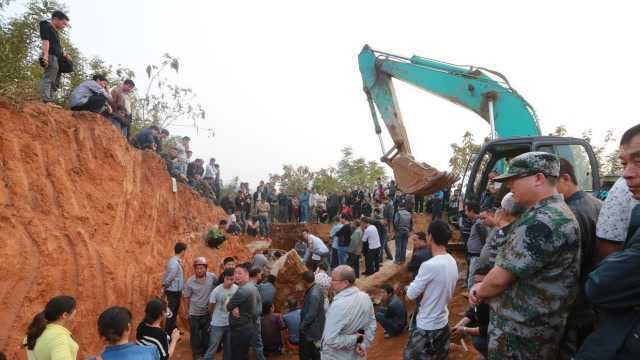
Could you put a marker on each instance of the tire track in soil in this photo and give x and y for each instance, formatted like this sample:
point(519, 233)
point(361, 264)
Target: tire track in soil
point(17, 292)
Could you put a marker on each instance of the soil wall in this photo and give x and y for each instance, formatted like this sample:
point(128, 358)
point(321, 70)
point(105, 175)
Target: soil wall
point(83, 213)
point(285, 235)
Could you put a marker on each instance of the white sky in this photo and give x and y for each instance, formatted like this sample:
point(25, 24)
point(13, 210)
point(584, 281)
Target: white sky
point(281, 85)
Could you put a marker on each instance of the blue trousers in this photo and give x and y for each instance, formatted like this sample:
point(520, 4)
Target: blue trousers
point(304, 213)
point(343, 255)
point(401, 246)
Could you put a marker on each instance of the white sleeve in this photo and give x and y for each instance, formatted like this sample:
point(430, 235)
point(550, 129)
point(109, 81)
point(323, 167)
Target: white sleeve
point(419, 284)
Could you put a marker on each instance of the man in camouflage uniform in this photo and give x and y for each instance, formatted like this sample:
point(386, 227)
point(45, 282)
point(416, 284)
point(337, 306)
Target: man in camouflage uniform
point(535, 278)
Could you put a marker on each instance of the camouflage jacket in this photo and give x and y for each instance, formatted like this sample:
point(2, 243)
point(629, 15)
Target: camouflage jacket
point(543, 252)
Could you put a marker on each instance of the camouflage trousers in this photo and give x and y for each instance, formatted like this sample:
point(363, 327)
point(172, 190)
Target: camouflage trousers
point(428, 344)
point(510, 345)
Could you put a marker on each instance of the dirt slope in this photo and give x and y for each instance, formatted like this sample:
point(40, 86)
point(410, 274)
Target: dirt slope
point(83, 213)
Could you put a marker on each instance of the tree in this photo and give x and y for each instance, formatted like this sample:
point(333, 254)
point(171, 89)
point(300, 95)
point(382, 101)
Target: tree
point(230, 188)
point(607, 162)
point(560, 130)
point(293, 179)
point(462, 153)
point(165, 102)
point(326, 180)
point(357, 172)
point(349, 173)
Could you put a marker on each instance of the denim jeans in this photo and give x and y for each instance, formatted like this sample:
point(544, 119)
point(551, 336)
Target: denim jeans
point(304, 213)
point(401, 246)
point(256, 341)
point(343, 255)
point(264, 225)
point(218, 335)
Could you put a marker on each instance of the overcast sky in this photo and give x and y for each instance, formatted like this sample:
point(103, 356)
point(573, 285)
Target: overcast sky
point(281, 85)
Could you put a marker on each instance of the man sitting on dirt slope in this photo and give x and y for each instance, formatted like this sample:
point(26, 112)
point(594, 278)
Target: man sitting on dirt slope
point(145, 139)
point(170, 160)
point(121, 117)
point(92, 95)
point(195, 170)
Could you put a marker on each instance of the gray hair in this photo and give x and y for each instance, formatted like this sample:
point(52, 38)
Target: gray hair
point(511, 207)
point(346, 273)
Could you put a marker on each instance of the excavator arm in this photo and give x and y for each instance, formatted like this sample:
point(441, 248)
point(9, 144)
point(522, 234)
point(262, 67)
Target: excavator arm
point(485, 92)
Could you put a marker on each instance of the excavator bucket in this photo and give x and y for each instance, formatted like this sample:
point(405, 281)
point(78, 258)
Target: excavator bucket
point(418, 178)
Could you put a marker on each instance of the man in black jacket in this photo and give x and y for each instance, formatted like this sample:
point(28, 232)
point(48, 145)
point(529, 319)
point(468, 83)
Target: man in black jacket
point(312, 319)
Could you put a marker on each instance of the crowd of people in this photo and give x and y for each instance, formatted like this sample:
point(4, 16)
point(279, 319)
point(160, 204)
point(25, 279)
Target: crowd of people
point(115, 106)
point(553, 272)
point(253, 213)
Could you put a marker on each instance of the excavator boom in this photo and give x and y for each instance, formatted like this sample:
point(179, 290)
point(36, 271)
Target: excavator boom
point(485, 92)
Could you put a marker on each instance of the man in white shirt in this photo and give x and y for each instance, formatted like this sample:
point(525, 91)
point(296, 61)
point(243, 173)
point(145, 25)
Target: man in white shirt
point(371, 238)
point(317, 251)
point(435, 284)
point(613, 220)
point(220, 332)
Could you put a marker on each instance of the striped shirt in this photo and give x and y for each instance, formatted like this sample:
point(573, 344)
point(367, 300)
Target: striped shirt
point(152, 336)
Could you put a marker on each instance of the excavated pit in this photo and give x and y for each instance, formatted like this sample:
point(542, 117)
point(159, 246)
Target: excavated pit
point(83, 213)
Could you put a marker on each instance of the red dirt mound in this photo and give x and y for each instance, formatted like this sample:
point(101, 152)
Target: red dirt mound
point(83, 213)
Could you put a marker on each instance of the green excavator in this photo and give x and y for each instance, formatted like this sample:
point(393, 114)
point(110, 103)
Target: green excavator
point(513, 123)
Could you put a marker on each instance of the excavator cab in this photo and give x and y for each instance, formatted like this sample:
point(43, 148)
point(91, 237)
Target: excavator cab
point(495, 155)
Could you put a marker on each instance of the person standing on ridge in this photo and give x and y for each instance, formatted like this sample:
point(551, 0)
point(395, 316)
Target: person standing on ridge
point(52, 54)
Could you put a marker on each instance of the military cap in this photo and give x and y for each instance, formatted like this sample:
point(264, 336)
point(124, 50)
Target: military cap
point(531, 163)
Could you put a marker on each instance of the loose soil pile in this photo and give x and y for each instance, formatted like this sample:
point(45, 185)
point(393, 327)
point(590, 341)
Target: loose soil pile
point(83, 213)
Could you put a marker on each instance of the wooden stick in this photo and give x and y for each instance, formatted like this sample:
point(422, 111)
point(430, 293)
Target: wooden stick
point(464, 345)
